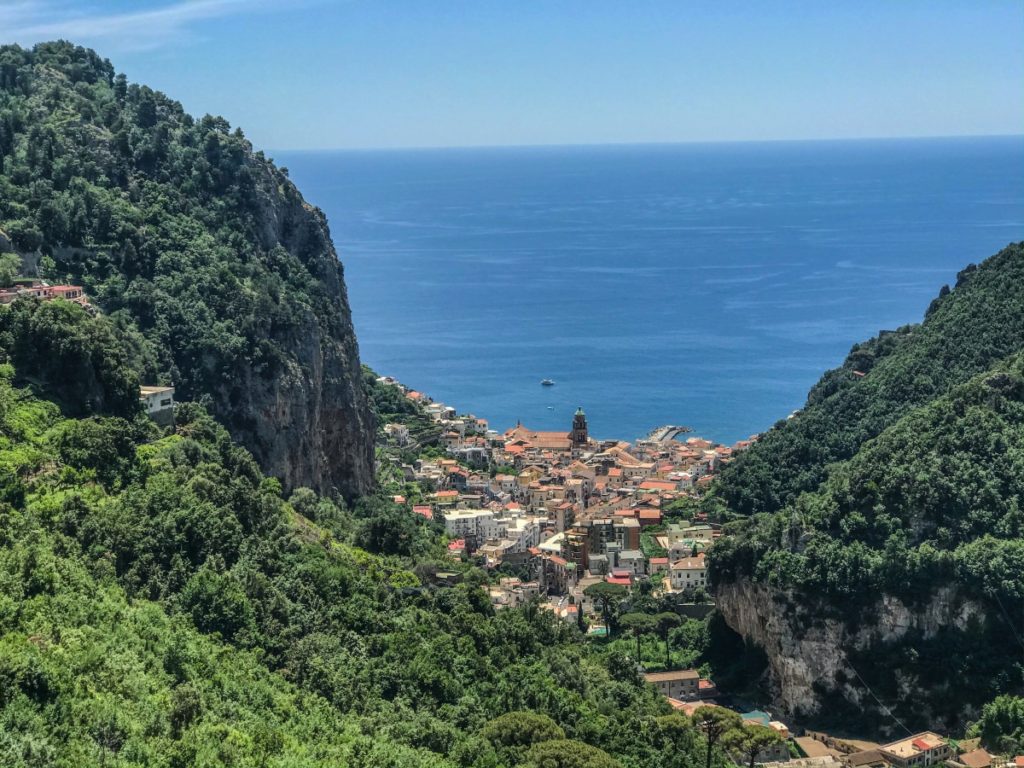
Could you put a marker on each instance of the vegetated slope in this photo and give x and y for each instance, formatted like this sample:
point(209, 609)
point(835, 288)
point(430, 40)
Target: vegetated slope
point(966, 330)
point(902, 576)
point(175, 225)
point(162, 604)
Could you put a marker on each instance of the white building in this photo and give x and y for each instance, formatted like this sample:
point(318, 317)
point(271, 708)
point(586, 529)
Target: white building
point(478, 523)
point(553, 545)
point(158, 402)
point(632, 560)
point(398, 432)
point(688, 573)
point(524, 531)
point(918, 751)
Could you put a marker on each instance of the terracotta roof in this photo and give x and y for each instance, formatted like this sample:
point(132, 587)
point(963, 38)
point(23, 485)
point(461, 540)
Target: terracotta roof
point(689, 707)
point(689, 563)
point(675, 674)
point(657, 485)
point(540, 440)
point(976, 758)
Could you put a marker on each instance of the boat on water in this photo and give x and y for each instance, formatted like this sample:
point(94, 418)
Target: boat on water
point(547, 382)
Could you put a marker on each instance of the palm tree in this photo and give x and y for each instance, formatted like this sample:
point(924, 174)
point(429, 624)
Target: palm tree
point(606, 594)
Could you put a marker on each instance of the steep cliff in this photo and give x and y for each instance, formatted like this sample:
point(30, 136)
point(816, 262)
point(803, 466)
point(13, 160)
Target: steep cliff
point(828, 670)
point(309, 423)
point(895, 587)
point(177, 227)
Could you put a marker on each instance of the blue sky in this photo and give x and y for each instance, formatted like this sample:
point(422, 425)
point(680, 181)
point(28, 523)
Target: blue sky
point(304, 74)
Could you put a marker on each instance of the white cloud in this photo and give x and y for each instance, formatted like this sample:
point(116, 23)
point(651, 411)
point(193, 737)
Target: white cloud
point(32, 21)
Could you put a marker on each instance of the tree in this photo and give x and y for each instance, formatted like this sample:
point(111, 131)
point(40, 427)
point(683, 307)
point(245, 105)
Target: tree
point(607, 595)
point(218, 603)
point(513, 733)
point(388, 531)
point(749, 741)
point(10, 268)
point(675, 732)
point(714, 722)
point(666, 622)
point(567, 753)
point(638, 624)
point(80, 359)
point(1001, 725)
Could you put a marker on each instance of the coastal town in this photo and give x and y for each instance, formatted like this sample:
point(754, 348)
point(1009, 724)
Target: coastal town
point(569, 522)
point(566, 510)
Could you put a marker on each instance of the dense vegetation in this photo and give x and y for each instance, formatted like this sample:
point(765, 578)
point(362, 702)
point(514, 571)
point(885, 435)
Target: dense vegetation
point(177, 227)
point(86, 363)
point(157, 216)
point(966, 330)
point(1001, 726)
point(936, 497)
point(162, 604)
point(929, 506)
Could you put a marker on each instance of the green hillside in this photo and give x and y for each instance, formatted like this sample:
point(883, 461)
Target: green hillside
point(161, 604)
point(937, 497)
point(929, 504)
point(966, 330)
point(178, 228)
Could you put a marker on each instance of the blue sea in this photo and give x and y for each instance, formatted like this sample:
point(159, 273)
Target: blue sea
point(701, 285)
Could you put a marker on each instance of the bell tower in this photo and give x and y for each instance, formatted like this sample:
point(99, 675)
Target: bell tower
point(579, 435)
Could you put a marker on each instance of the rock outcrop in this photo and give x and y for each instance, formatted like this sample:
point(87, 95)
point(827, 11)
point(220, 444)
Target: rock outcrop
point(310, 425)
point(809, 648)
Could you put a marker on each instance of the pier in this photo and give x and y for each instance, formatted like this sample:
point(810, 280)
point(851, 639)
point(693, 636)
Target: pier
point(667, 432)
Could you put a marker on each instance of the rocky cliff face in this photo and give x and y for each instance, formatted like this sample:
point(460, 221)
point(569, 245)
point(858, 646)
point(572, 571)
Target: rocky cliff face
point(810, 655)
point(310, 424)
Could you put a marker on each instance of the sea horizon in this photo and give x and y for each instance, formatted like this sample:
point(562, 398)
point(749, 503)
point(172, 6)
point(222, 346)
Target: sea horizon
point(640, 144)
point(702, 284)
